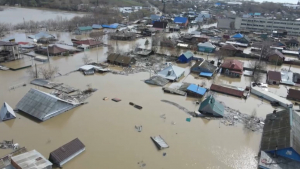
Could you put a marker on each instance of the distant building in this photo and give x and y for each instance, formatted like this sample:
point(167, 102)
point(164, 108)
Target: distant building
point(206, 47)
point(6, 112)
point(263, 24)
point(230, 50)
point(273, 77)
point(186, 57)
point(160, 25)
point(211, 107)
point(233, 68)
point(275, 57)
point(67, 152)
point(119, 59)
point(96, 26)
point(281, 135)
point(183, 22)
point(83, 29)
point(31, 158)
point(225, 23)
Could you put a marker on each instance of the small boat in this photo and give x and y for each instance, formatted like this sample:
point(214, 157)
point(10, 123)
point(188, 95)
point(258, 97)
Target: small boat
point(138, 107)
point(116, 99)
point(130, 103)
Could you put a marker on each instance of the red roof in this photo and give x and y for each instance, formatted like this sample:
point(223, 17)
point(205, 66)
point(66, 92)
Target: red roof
point(227, 90)
point(87, 42)
point(293, 94)
point(23, 43)
point(233, 65)
point(272, 75)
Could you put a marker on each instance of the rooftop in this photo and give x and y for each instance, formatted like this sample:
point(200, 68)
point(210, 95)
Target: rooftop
point(233, 64)
point(273, 75)
point(196, 89)
point(31, 160)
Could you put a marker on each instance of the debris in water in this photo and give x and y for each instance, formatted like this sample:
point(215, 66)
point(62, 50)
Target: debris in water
point(139, 128)
point(105, 98)
point(173, 123)
point(159, 142)
point(163, 116)
point(164, 154)
point(138, 107)
point(9, 144)
point(116, 99)
point(188, 119)
point(177, 105)
point(130, 103)
point(141, 164)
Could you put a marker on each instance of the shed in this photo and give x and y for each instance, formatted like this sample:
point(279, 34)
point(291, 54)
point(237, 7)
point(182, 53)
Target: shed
point(91, 43)
point(124, 60)
point(31, 158)
point(230, 90)
point(66, 152)
point(172, 73)
point(204, 68)
point(83, 29)
point(275, 57)
point(195, 91)
point(273, 77)
point(206, 47)
point(43, 106)
point(211, 107)
point(160, 25)
point(281, 134)
point(186, 57)
point(112, 26)
point(111, 58)
point(6, 112)
point(293, 94)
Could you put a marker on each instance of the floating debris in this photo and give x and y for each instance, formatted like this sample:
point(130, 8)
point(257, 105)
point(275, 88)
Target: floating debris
point(116, 99)
point(164, 154)
point(9, 145)
point(130, 103)
point(65, 88)
point(139, 128)
point(180, 107)
point(105, 98)
point(159, 142)
point(142, 164)
point(138, 107)
point(163, 116)
point(188, 119)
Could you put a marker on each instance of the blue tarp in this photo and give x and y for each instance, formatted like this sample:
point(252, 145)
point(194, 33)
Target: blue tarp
point(206, 74)
point(95, 26)
point(238, 35)
point(180, 20)
point(112, 26)
point(196, 89)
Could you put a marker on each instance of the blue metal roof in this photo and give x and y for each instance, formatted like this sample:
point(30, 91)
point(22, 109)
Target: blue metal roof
point(112, 26)
point(180, 20)
point(257, 14)
point(95, 26)
point(206, 74)
point(238, 35)
point(197, 89)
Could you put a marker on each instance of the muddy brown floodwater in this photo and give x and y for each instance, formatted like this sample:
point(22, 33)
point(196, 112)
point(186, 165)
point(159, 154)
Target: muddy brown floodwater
point(107, 128)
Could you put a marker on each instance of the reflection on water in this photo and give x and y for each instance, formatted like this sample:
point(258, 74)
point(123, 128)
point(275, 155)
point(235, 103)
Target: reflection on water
point(13, 15)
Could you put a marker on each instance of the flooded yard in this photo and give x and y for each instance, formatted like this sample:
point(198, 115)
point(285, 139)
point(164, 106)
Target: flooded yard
point(108, 130)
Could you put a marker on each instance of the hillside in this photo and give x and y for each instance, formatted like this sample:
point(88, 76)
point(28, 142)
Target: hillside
point(71, 4)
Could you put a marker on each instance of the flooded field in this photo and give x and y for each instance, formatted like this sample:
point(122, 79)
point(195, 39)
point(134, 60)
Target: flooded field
point(107, 128)
point(15, 15)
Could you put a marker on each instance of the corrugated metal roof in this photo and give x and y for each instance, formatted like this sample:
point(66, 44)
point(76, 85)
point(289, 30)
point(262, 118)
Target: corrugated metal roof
point(273, 75)
point(180, 20)
point(157, 80)
point(43, 105)
point(85, 28)
point(175, 72)
point(6, 109)
point(66, 151)
point(159, 142)
point(214, 105)
point(268, 161)
point(31, 160)
point(188, 54)
point(227, 90)
point(207, 44)
point(95, 26)
point(196, 89)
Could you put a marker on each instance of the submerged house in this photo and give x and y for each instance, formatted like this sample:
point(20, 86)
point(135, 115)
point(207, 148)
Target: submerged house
point(96, 26)
point(273, 77)
point(6, 112)
point(186, 57)
point(230, 50)
point(172, 73)
point(42, 35)
point(67, 152)
point(211, 107)
point(195, 91)
point(122, 60)
point(83, 29)
point(53, 50)
point(281, 138)
point(43, 106)
point(275, 57)
point(160, 24)
point(90, 43)
point(204, 68)
point(30, 160)
point(292, 42)
point(293, 94)
point(9, 51)
point(233, 68)
point(206, 47)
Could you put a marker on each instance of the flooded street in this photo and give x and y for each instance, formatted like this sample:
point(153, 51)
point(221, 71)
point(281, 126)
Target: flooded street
point(16, 15)
point(107, 128)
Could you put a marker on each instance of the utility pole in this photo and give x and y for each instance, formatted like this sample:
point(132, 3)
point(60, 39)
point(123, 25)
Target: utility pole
point(36, 74)
point(48, 54)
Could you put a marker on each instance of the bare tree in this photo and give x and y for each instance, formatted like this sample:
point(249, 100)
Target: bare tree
point(86, 59)
point(48, 73)
point(3, 28)
point(257, 68)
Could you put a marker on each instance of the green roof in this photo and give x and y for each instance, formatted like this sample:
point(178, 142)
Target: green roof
point(216, 106)
point(188, 54)
point(85, 28)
